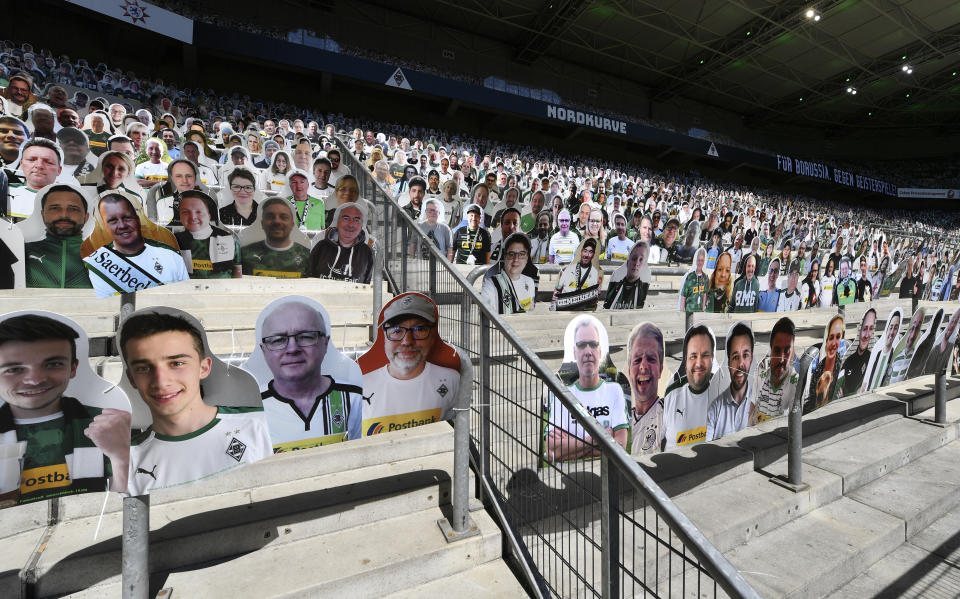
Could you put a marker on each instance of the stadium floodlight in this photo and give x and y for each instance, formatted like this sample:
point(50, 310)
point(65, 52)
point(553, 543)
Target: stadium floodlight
point(810, 13)
point(816, 17)
point(852, 90)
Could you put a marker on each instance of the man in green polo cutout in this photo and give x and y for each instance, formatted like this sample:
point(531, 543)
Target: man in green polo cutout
point(277, 255)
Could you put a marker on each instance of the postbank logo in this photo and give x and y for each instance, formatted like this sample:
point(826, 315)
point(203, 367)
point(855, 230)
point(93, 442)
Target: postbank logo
point(44, 477)
point(694, 435)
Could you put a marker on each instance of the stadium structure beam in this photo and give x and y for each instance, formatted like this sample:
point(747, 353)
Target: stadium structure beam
point(737, 43)
point(640, 59)
point(903, 19)
point(554, 19)
point(886, 66)
point(680, 29)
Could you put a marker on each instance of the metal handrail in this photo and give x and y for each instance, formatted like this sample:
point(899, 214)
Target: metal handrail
point(722, 571)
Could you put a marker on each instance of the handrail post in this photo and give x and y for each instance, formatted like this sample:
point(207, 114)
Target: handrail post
point(484, 436)
point(609, 528)
point(377, 281)
point(387, 234)
point(461, 525)
point(940, 398)
point(135, 547)
point(432, 275)
point(794, 479)
point(403, 253)
point(135, 543)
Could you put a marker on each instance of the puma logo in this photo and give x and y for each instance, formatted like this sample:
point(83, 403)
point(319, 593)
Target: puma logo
point(150, 472)
point(679, 411)
point(367, 398)
point(37, 258)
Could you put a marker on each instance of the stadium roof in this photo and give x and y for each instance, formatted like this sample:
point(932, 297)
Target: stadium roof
point(767, 60)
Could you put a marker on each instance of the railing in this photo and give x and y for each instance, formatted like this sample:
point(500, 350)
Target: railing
point(594, 528)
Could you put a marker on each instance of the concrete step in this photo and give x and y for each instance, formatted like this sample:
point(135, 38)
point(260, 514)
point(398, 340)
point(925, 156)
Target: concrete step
point(750, 505)
point(919, 492)
point(243, 340)
point(493, 580)
point(834, 422)
point(870, 455)
point(815, 554)
point(927, 565)
point(365, 561)
point(215, 527)
point(908, 572)
point(17, 549)
point(408, 444)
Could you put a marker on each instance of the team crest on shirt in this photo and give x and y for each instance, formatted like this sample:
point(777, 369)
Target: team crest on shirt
point(650, 436)
point(442, 390)
point(236, 448)
point(337, 418)
point(157, 266)
point(298, 260)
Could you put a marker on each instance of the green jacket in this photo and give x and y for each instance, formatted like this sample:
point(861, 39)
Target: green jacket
point(55, 262)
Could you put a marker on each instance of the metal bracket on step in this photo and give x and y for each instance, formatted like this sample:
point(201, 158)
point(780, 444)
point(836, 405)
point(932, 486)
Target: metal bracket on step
point(451, 535)
point(786, 484)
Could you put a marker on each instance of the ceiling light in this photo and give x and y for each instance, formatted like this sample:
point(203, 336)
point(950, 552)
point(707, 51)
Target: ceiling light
point(816, 17)
point(810, 13)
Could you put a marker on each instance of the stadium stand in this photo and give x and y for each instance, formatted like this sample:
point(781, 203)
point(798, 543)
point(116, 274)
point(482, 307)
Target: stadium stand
point(639, 344)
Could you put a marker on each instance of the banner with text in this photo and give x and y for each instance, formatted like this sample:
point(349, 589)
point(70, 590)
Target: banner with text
point(818, 170)
point(145, 15)
point(936, 194)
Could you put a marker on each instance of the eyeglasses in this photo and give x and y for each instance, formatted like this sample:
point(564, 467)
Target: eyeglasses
point(302, 339)
point(397, 333)
point(246, 188)
point(584, 344)
point(515, 255)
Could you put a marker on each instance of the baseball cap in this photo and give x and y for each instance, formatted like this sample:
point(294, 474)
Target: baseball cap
point(410, 304)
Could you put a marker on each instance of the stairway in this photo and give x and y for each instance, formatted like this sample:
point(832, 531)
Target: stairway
point(884, 487)
point(357, 519)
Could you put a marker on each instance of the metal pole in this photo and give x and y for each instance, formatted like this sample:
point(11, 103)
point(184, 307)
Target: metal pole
point(484, 440)
point(387, 234)
point(916, 302)
point(403, 253)
point(688, 319)
point(377, 289)
point(609, 529)
point(794, 480)
point(135, 543)
point(795, 444)
point(136, 547)
point(940, 397)
point(460, 525)
point(128, 304)
point(432, 276)
point(465, 321)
